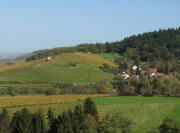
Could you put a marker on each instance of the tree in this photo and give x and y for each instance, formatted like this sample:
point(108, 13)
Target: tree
point(91, 125)
point(4, 122)
point(146, 88)
point(121, 84)
point(78, 119)
point(90, 108)
point(123, 65)
point(21, 122)
point(169, 126)
point(50, 117)
point(115, 124)
point(105, 67)
point(62, 124)
point(11, 91)
point(156, 86)
point(50, 91)
point(166, 70)
point(38, 123)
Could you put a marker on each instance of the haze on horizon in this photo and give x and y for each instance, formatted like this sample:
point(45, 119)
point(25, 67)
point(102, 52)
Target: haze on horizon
point(28, 26)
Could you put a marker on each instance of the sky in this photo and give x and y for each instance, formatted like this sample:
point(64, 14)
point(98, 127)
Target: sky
point(30, 25)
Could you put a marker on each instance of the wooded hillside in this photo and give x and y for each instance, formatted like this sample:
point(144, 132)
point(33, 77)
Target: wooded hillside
point(162, 45)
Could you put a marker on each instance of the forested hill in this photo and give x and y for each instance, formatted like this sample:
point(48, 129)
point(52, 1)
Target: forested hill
point(160, 45)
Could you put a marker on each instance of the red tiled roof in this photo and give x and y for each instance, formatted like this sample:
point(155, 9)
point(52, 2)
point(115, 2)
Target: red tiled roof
point(159, 74)
point(153, 69)
point(143, 71)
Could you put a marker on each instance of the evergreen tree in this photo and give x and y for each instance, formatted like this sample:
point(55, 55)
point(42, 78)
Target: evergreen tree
point(166, 69)
point(90, 108)
point(4, 122)
point(38, 123)
point(51, 117)
point(21, 122)
point(78, 119)
point(65, 122)
point(62, 124)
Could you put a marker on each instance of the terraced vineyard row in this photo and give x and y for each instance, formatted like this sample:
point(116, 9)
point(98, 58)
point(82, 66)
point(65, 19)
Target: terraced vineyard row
point(39, 100)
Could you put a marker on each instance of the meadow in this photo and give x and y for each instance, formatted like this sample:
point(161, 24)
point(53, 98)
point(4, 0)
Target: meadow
point(146, 112)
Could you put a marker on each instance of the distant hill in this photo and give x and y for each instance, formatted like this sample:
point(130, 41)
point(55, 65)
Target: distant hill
point(159, 49)
point(13, 58)
point(11, 55)
point(70, 67)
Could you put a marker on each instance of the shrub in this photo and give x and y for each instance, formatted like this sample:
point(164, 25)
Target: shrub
point(91, 125)
point(169, 126)
point(50, 91)
point(115, 124)
point(11, 91)
point(73, 64)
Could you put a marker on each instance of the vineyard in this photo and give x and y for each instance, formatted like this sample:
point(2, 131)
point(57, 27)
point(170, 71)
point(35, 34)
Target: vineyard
point(18, 101)
point(59, 68)
point(91, 59)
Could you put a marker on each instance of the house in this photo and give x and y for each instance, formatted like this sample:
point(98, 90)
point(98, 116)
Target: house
point(156, 74)
point(159, 74)
point(134, 67)
point(152, 75)
point(144, 72)
point(136, 77)
point(115, 91)
point(125, 75)
point(153, 70)
point(49, 58)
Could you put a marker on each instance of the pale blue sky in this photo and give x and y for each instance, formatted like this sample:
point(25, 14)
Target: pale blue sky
point(28, 25)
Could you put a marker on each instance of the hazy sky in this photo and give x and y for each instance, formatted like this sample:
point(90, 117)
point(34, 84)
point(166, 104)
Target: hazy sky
point(28, 25)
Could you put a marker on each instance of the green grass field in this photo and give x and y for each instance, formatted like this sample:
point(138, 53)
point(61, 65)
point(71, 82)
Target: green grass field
point(146, 112)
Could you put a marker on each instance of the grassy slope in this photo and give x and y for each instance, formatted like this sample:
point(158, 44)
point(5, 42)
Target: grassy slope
point(58, 69)
point(146, 113)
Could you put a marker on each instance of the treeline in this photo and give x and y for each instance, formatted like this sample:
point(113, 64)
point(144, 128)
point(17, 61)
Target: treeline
point(100, 87)
point(162, 45)
point(82, 119)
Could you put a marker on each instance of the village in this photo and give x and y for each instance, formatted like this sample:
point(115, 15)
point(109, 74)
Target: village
point(136, 71)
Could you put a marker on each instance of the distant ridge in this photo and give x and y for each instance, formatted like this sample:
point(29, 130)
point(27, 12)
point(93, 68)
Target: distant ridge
point(11, 55)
